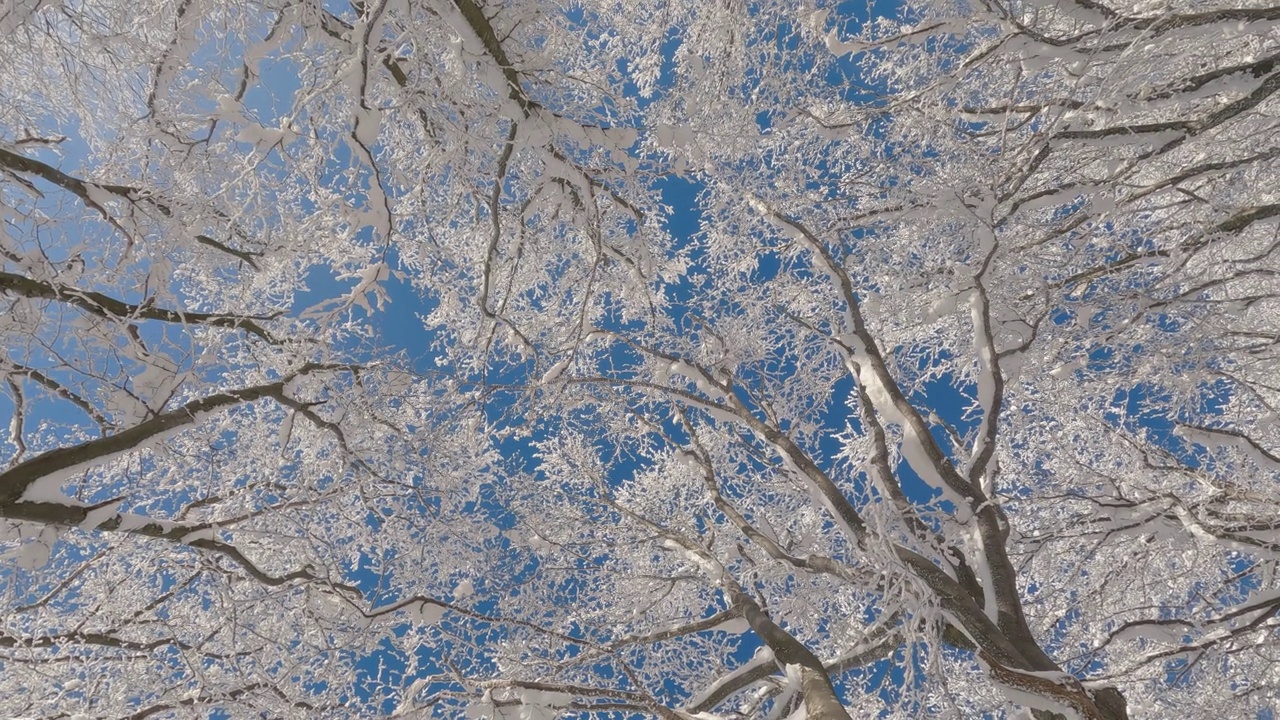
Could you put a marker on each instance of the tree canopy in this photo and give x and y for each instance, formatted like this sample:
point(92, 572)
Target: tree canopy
point(771, 359)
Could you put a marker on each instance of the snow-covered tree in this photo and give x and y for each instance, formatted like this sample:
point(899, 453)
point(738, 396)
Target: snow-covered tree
point(781, 360)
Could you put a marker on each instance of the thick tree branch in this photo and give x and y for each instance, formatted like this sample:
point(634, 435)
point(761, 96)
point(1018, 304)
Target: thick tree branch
point(105, 306)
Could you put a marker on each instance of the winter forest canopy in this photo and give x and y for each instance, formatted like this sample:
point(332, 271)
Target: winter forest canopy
point(710, 360)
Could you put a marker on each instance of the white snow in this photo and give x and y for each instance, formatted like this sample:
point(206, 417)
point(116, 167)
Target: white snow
point(34, 552)
point(48, 489)
point(673, 136)
point(96, 517)
point(369, 281)
point(285, 433)
point(1211, 439)
point(1038, 702)
point(946, 305)
point(732, 626)
point(368, 125)
point(426, 612)
point(763, 657)
point(464, 589)
point(203, 534)
point(556, 371)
